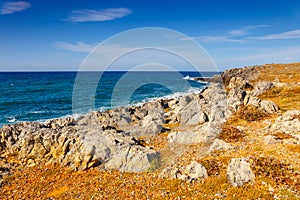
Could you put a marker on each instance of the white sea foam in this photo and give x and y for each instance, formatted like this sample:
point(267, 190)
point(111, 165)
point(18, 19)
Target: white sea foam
point(38, 112)
point(11, 119)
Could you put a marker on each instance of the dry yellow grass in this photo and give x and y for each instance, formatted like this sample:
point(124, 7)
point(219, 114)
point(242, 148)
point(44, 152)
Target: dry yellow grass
point(284, 72)
point(287, 98)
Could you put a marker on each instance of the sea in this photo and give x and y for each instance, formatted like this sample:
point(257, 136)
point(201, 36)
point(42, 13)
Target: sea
point(39, 96)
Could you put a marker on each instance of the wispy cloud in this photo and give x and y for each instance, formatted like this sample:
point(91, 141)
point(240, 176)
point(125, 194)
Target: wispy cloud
point(236, 35)
point(86, 15)
point(246, 30)
point(215, 39)
point(295, 34)
point(77, 47)
point(12, 7)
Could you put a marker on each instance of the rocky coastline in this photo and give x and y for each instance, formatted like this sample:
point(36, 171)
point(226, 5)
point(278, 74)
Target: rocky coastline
point(120, 139)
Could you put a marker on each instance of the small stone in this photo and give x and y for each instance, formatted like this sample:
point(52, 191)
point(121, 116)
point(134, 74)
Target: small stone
point(195, 171)
point(239, 172)
point(220, 145)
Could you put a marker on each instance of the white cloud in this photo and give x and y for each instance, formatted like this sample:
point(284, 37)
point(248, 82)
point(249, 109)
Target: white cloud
point(77, 47)
point(295, 34)
point(86, 15)
point(236, 35)
point(12, 7)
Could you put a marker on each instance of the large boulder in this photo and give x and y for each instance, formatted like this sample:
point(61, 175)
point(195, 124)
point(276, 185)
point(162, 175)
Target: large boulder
point(239, 172)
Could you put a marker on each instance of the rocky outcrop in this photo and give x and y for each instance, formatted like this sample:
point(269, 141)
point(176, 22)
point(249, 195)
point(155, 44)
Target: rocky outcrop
point(208, 110)
point(239, 172)
point(246, 73)
point(79, 147)
point(238, 95)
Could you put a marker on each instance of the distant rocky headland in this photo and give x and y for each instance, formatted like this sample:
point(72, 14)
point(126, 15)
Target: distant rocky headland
point(157, 137)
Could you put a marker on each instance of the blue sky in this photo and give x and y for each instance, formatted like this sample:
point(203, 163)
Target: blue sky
point(58, 35)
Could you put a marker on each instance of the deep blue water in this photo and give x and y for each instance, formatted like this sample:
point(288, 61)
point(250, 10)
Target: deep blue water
point(37, 96)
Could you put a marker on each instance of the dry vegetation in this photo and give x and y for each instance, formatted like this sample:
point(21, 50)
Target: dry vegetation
point(276, 166)
point(284, 72)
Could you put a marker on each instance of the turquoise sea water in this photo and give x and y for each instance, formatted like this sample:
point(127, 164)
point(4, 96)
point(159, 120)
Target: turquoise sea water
point(38, 96)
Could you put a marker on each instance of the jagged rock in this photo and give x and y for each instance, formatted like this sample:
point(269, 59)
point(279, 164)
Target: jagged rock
point(266, 105)
point(239, 172)
point(220, 145)
point(79, 147)
point(114, 150)
point(185, 100)
point(61, 122)
point(237, 94)
point(153, 122)
point(238, 83)
point(246, 73)
point(193, 171)
point(134, 159)
point(287, 123)
point(169, 172)
point(209, 105)
point(121, 116)
point(198, 118)
point(191, 114)
point(252, 101)
point(261, 87)
point(269, 106)
point(206, 132)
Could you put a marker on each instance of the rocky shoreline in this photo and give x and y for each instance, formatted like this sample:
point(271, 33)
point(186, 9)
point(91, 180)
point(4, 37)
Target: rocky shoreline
point(118, 139)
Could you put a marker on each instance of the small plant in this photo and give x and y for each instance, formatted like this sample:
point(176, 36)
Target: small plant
point(250, 113)
point(154, 165)
point(231, 134)
point(213, 166)
point(282, 136)
point(279, 172)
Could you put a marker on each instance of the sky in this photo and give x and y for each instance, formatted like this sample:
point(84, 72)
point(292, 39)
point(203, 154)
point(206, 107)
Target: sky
point(52, 35)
